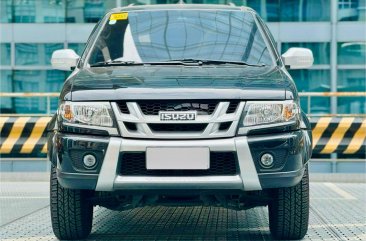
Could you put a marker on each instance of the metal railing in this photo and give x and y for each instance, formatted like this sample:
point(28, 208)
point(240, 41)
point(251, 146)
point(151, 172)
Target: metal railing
point(47, 95)
point(307, 95)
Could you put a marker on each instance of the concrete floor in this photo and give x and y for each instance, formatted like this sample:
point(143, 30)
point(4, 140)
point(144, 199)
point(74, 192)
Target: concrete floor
point(338, 212)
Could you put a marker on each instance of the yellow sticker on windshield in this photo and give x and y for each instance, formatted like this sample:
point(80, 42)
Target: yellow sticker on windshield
point(119, 16)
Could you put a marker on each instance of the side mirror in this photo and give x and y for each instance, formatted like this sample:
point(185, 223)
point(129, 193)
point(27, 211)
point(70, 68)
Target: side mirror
point(64, 59)
point(298, 58)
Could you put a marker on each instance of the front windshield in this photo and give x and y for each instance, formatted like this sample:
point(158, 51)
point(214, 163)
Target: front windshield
point(171, 35)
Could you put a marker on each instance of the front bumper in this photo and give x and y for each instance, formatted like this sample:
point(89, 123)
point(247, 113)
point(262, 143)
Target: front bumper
point(291, 151)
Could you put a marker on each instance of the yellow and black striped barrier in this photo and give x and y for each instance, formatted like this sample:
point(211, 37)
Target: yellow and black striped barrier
point(23, 136)
point(339, 135)
point(27, 137)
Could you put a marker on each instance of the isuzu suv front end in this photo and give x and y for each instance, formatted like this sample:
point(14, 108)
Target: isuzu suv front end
point(197, 110)
point(212, 148)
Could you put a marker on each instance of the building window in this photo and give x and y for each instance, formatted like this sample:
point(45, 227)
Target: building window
point(54, 11)
point(352, 53)
point(351, 76)
point(298, 10)
point(6, 86)
point(77, 47)
point(90, 11)
point(35, 54)
point(87, 11)
point(5, 54)
point(36, 81)
point(291, 10)
point(313, 81)
point(351, 105)
point(351, 10)
point(38, 11)
point(5, 11)
point(351, 80)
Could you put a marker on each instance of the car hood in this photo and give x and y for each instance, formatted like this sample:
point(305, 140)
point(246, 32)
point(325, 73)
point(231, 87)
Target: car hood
point(178, 82)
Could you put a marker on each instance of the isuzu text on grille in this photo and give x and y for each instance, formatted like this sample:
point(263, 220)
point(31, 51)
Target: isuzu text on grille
point(174, 116)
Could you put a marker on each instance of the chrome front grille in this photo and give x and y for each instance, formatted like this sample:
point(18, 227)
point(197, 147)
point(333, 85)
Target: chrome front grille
point(214, 118)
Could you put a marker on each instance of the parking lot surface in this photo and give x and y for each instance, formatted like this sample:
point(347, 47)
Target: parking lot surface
point(338, 212)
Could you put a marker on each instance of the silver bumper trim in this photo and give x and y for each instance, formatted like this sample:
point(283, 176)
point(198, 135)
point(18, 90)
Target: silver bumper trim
point(214, 144)
point(108, 171)
point(207, 182)
point(248, 180)
point(248, 172)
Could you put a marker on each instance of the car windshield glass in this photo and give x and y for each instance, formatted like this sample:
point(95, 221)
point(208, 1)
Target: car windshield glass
point(172, 35)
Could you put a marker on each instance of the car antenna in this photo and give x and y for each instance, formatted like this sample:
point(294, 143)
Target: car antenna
point(181, 2)
point(231, 4)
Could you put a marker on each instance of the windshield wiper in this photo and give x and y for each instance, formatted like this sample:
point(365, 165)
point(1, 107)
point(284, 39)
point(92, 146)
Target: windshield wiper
point(114, 63)
point(231, 62)
point(208, 61)
point(187, 62)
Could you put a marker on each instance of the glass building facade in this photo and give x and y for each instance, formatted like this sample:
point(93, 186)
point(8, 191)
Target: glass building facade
point(335, 30)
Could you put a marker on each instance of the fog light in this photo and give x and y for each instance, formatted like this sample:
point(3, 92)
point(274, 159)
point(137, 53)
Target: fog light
point(267, 160)
point(89, 160)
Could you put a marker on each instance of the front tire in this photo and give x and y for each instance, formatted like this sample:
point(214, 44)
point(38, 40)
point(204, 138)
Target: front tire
point(289, 211)
point(71, 211)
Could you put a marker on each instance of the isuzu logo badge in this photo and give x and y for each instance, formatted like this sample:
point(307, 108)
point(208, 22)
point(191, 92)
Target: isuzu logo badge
point(177, 116)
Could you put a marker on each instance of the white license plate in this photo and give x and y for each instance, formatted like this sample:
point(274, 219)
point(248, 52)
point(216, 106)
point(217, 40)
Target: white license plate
point(177, 158)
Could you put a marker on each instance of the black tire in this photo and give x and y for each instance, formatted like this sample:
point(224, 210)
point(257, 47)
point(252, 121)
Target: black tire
point(71, 212)
point(289, 211)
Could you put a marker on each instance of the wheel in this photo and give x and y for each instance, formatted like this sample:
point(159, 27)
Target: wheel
point(289, 211)
point(71, 212)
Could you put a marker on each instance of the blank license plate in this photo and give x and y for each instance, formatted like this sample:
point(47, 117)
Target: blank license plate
point(177, 158)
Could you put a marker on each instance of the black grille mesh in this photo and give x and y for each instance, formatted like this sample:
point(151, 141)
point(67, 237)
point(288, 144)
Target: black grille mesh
point(232, 107)
point(225, 126)
point(221, 163)
point(130, 126)
point(203, 107)
point(178, 127)
point(123, 107)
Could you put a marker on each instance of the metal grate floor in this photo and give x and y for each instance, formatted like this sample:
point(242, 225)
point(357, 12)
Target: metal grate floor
point(338, 212)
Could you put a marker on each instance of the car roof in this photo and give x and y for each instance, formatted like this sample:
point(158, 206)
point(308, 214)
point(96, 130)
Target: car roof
point(179, 6)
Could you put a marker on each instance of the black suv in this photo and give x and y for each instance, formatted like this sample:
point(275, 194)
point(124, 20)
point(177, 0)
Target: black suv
point(180, 105)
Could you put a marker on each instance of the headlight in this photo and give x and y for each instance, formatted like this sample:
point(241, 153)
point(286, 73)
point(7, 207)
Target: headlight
point(259, 113)
point(94, 114)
